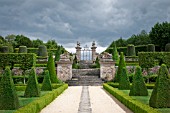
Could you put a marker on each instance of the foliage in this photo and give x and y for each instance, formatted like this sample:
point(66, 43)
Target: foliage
point(37, 105)
point(134, 105)
point(120, 67)
point(22, 40)
point(57, 54)
point(167, 47)
point(97, 63)
point(160, 97)
point(115, 55)
point(36, 43)
point(74, 65)
point(151, 48)
point(160, 34)
point(150, 59)
point(51, 44)
point(138, 85)
point(9, 59)
point(131, 50)
point(8, 96)
point(46, 85)
point(5, 49)
point(32, 89)
point(124, 83)
point(51, 69)
point(22, 49)
point(42, 51)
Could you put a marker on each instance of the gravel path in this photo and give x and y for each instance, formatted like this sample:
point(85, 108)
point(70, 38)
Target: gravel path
point(85, 99)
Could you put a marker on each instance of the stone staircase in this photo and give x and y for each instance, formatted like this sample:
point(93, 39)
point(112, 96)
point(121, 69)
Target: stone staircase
point(85, 77)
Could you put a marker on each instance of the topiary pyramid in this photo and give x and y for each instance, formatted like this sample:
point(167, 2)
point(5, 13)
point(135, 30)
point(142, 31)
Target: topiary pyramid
point(115, 55)
point(120, 67)
point(8, 96)
point(51, 69)
point(124, 83)
point(160, 97)
point(32, 89)
point(46, 85)
point(138, 85)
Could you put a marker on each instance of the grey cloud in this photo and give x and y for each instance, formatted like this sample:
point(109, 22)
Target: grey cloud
point(67, 21)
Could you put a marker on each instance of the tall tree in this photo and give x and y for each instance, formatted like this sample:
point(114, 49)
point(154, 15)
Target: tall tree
point(51, 44)
point(160, 34)
point(36, 43)
point(22, 40)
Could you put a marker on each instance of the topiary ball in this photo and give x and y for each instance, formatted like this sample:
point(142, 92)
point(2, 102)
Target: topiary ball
point(151, 48)
point(22, 49)
point(42, 51)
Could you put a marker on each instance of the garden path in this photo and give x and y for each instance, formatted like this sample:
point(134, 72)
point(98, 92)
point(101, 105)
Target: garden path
point(85, 99)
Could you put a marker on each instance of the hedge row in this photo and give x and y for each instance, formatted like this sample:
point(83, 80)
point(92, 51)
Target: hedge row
point(151, 59)
point(9, 59)
point(22, 87)
point(134, 105)
point(37, 105)
point(116, 85)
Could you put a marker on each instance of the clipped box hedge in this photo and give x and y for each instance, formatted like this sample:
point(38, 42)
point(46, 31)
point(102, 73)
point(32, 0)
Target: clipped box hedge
point(134, 105)
point(37, 105)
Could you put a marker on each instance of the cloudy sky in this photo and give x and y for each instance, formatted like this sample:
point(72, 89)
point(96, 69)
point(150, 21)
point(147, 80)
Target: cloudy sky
point(69, 21)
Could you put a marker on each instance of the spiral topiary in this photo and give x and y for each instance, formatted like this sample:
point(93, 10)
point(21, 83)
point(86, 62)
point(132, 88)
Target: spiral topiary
point(42, 51)
point(151, 48)
point(138, 85)
point(32, 89)
point(167, 47)
point(22, 49)
point(131, 50)
point(160, 97)
point(8, 96)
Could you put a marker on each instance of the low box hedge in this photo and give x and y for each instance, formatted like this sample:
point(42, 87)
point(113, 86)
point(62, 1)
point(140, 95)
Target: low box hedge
point(134, 105)
point(116, 85)
point(37, 105)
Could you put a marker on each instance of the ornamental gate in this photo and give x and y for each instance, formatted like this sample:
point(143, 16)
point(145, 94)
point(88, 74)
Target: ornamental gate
point(86, 53)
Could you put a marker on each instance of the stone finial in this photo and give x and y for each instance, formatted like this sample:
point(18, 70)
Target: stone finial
point(78, 44)
point(64, 57)
point(93, 44)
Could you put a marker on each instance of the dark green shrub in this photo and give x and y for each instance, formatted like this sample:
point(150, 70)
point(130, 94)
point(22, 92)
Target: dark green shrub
point(97, 63)
point(160, 97)
point(5, 49)
point(167, 47)
point(138, 85)
point(115, 55)
point(22, 49)
point(122, 49)
point(32, 50)
point(32, 89)
point(124, 83)
point(120, 67)
point(51, 69)
point(8, 96)
point(151, 48)
point(57, 54)
point(131, 50)
point(46, 85)
point(74, 65)
point(42, 51)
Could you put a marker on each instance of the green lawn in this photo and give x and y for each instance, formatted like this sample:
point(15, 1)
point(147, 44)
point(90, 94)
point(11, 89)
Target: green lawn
point(145, 100)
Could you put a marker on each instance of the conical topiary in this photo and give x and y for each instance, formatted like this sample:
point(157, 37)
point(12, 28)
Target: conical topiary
point(32, 89)
point(97, 62)
point(160, 97)
point(57, 54)
point(115, 55)
point(46, 85)
point(8, 96)
point(120, 67)
point(124, 83)
point(51, 69)
point(138, 85)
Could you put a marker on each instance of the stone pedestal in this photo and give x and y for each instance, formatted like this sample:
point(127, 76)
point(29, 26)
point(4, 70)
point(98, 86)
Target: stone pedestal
point(78, 51)
point(64, 68)
point(93, 48)
point(107, 67)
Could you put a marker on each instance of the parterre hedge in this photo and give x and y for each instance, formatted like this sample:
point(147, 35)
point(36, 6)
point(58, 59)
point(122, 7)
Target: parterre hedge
point(134, 105)
point(9, 59)
point(37, 105)
point(150, 59)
